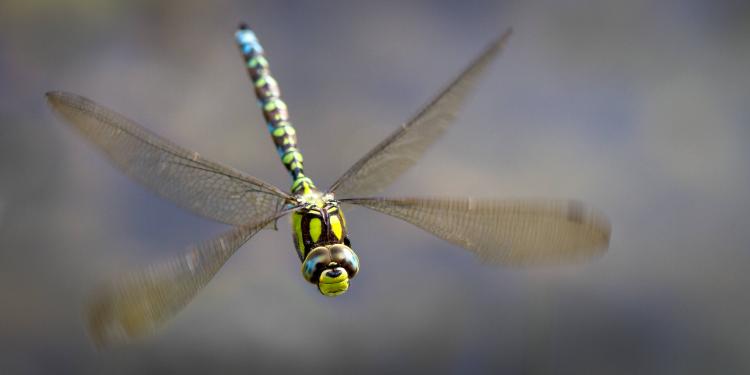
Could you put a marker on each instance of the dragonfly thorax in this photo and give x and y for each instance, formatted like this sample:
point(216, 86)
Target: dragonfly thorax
point(319, 222)
point(315, 198)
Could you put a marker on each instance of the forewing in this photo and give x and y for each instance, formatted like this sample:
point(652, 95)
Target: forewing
point(397, 153)
point(200, 185)
point(142, 301)
point(513, 232)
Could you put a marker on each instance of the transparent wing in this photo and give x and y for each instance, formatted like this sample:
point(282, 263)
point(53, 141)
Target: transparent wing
point(397, 153)
point(200, 185)
point(514, 232)
point(141, 301)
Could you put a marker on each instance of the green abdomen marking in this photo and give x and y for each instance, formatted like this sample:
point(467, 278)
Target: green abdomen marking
point(274, 109)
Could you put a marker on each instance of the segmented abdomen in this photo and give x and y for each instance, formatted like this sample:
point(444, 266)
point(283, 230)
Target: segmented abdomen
point(274, 109)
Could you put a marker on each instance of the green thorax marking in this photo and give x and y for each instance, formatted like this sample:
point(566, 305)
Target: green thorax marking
point(321, 222)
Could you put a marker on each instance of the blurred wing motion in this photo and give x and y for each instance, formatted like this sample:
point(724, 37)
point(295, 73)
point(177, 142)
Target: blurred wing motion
point(141, 301)
point(505, 232)
point(205, 187)
point(397, 153)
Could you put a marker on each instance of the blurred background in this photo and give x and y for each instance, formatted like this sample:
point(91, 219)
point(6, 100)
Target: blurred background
point(639, 108)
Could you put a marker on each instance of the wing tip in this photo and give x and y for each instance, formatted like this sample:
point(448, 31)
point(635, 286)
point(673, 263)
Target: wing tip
point(56, 94)
point(508, 31)
point(57, 98)
point(99, 315)
point(112, 319)
point(503, 38)
point(52, 97)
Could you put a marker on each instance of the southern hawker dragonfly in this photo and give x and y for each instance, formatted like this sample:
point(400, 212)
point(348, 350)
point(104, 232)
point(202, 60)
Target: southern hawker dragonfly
point(498, 231)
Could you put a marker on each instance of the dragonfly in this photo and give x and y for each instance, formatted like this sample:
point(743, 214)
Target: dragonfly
point(498, 231)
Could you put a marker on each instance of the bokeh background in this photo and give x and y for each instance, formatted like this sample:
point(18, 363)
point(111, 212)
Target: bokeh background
point(640, 108)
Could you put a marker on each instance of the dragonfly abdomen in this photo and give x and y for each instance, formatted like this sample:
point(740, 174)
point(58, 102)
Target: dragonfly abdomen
point(274, 109)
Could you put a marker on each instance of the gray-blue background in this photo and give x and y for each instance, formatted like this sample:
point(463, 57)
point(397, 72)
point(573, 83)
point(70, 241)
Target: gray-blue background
point(638, 107)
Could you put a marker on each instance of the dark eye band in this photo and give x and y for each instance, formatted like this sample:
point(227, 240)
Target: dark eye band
point(345, 257)
point(315, 262)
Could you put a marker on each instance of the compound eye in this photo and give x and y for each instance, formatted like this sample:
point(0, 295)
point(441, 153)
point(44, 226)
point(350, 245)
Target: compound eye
point(315, 262)
point(346, 258)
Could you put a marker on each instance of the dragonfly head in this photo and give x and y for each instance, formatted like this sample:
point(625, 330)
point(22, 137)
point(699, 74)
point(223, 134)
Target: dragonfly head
point(330, 268)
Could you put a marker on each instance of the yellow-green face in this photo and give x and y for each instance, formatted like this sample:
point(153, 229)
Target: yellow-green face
point(333, 282)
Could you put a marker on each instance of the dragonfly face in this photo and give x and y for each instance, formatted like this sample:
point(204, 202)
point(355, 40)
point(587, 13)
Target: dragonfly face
point(320, 237)
point(331, 267)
